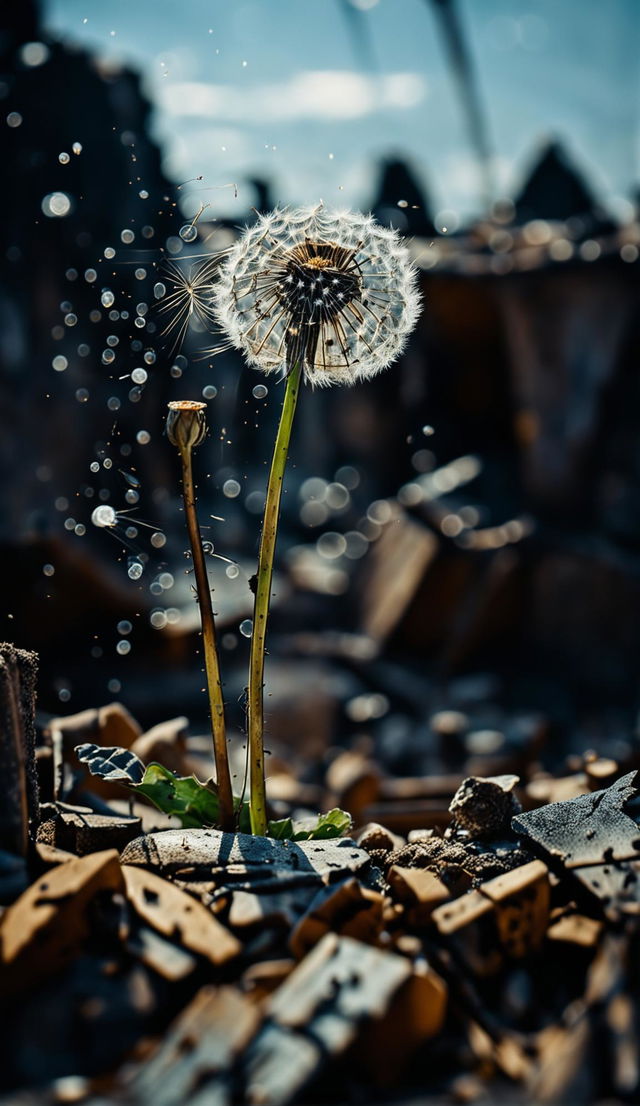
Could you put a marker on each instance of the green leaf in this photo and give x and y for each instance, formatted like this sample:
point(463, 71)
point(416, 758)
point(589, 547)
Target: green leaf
point(194, 803)
point(335, 823)
point(281, 830)
point(322, 827)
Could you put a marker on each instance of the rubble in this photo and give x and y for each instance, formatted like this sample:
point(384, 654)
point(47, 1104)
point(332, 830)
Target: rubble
point(256, 970)
point(596, 839)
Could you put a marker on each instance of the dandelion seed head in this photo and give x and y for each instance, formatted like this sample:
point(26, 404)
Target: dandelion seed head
point(329, 288)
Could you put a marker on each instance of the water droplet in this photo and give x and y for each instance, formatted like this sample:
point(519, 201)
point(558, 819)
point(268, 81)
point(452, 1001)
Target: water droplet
point(231, 488)
point(139, 322)
point(90, 275)
point(232, 571)
point(82, 395)
point(207, 547)
point(176, 372)
point(159, 290)
point(427, 431)
point(127, 236)
point(158, 620)
point(14, 119)
point(64, 158)
point(166, 581)
point(135, 570)
point(107, 299)
point(246, 627)
point(188, 233)
point(124, 627)
point(48, 570)
point(109, 253)
point(210, 392)
point(103, 516)
point(56, 205)
point(158, 540)
point(149, 357)
point(113, 403)
point(139, 376)
point(124, 647)
point(108, 356)
point(140, 274)
point(77, 148)
point(59, 363)
point(143, 437)
point(260, 391)
point(95, 466)
point(131, 496)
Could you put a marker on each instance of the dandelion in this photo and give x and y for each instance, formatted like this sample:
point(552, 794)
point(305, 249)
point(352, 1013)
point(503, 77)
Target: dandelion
point(330, 290)
point(324, 296)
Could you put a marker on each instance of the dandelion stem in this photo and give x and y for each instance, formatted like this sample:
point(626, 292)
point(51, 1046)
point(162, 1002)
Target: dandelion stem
point(255, 712)
point(211, 663)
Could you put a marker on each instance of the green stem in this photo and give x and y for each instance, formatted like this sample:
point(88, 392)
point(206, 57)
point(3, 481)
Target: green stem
point(255, 711)
point(212, 667)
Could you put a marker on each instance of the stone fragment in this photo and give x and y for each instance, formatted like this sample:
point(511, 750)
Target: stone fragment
point(166, 744)
point(46, 927)
point(240, 860)
point(377, 837)
point(505, 917)
point(168, 959)
point(484, 807)
point(521, 899)
point(595, 837)
point(193, 1062)
point(321, 1008)
point(81, 831)
point(576, 929)
point(108, 726)
point(420, 890)
point(347, 908)
point(177, 915)
point(262, 979)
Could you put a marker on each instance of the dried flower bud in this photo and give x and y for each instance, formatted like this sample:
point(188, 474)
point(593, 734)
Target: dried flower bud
point(186, 423)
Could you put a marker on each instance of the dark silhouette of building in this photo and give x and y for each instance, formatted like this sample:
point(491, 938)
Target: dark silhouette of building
point(557, 191)
point(401, 201)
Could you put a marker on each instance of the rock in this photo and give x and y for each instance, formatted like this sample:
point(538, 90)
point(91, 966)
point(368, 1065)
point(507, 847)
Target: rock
point(484, 807)
point(419, 890)
point(241, 861)
point(165, 743)
point(46, 927)
point(322, 1006)
point(596, 838)
point(79, 830)
point(198, 1050)
point(506, 916)
point(348, 909)
point(179, 916)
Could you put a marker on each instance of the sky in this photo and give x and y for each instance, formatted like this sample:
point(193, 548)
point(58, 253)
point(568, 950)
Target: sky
point(280, 89)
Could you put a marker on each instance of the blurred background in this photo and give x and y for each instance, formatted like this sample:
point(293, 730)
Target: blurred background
point(459, 563)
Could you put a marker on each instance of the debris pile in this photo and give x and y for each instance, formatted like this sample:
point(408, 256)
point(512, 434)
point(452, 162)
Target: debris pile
point(485, 956)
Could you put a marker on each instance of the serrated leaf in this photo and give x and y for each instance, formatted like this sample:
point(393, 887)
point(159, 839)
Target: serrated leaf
point(194, 803)
point(111, 763)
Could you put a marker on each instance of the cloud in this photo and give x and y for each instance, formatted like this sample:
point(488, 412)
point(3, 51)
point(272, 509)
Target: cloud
point(311, 94)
